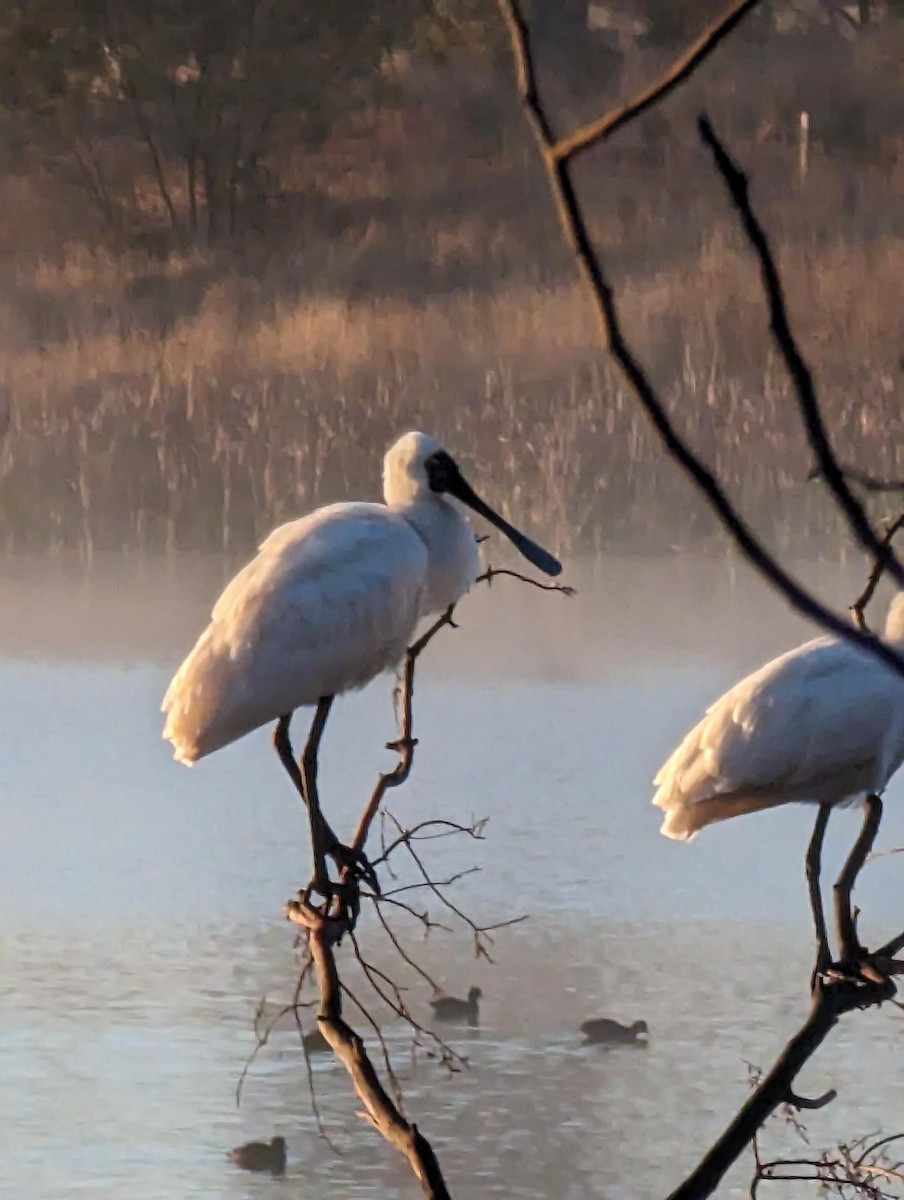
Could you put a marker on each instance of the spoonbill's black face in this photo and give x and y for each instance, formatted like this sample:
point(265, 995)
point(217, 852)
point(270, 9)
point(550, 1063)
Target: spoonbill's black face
point(444, 476)
point(442, 472)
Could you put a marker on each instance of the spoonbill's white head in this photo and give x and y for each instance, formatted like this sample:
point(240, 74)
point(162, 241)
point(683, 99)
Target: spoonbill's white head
point(417, 467)
point(405, 469)
point(894, 622)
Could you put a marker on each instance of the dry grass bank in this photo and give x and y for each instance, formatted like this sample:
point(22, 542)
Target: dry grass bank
point(192, 402)
point(206, 435)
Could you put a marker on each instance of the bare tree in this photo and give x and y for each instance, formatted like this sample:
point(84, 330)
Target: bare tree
point(835, 990)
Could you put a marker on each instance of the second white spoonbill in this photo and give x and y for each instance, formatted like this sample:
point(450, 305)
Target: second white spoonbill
point(330, 602)
point(823, 724)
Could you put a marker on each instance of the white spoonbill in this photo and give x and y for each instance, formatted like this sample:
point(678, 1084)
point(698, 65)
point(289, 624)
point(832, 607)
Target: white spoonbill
point(330, 602)
point(823, 724)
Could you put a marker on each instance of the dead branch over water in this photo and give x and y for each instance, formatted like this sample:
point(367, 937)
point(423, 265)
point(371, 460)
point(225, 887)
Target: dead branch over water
point(859, 979)
point(576, 232)
point(801, 375)
point(327, 923)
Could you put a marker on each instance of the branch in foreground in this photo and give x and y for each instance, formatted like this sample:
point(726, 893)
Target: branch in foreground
point(673, 76)
point(574, 227)
point(879, 567)
point(861, 1166)
point(349, 1049)
point(325, 925)
point(869, 483)
point(830, 1003)
point(801, 376)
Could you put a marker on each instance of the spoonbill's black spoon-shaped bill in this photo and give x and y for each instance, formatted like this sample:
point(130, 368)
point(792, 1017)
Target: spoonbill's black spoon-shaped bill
point(330, 602)
point(822, 724)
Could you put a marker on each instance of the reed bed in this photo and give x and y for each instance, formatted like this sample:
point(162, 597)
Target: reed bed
point(205, 435)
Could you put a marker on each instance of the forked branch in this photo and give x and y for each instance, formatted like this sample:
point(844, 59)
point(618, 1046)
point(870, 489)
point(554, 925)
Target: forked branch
point(880, 565)
point(869, 483)
point(836, 992)
point(801, 376)
point(575, 230)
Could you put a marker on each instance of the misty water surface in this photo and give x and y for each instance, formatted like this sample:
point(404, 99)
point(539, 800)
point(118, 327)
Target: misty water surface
point(141, 902)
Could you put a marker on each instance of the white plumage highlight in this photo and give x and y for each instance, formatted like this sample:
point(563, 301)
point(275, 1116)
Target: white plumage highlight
point(823, 723)
point(329, 602)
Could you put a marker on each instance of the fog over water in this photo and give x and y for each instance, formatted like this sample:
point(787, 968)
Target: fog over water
point(140, 903)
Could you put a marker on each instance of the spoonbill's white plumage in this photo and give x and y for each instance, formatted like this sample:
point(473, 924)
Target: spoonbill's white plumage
point(823, 723)
point(330, 602)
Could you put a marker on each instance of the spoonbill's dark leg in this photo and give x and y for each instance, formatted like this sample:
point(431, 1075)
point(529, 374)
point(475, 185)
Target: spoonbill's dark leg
point(323, 840)
point(814, 871)
point(852, 953)
point(286, 754)
point(305, 779)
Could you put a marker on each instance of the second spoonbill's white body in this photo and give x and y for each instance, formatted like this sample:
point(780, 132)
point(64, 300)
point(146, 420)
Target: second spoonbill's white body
point(331, 601)
point(823, 723)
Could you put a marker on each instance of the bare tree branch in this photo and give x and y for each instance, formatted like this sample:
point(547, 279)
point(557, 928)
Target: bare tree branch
point(830, 1003)
point(869, 483)
point(880, 565)
point(675, 74)
point(574, 228)
point(492, 572)
point(326, 924)
point(349, 1049)
point(801, 376)
point(858, 1167)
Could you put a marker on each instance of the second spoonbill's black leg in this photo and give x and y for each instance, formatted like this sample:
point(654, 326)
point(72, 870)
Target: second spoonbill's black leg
point(849, 943)
point(814, 872)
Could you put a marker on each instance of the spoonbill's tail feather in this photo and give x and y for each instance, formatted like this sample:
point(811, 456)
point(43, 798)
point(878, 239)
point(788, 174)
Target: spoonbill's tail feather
point(684, 819)
point(198, 720)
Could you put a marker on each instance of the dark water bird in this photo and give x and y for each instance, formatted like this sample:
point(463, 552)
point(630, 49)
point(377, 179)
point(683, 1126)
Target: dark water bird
point(261, 1156)
point(601, 1031)
point(450, 1008)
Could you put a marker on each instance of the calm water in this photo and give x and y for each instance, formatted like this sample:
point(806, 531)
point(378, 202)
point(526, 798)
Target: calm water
point(141, 904)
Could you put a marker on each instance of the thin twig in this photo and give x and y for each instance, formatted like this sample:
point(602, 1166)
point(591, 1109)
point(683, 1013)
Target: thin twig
point(672, 77)
point(447, 829)
point(880, 565)
point(425, 919)
point(403, 953)
point(397, 1004)
point(481, 933)
point(869, 483)
point(492, 572)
